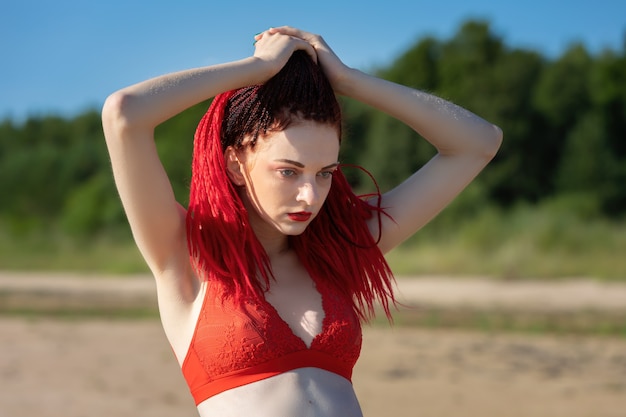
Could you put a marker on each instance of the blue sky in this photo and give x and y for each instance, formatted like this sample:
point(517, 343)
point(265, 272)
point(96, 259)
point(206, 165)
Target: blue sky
point(66, 56)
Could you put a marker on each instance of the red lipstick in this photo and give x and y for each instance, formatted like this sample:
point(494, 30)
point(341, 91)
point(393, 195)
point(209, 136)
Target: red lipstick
point(301, 216)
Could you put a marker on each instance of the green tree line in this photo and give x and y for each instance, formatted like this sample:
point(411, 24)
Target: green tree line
point(564, 120)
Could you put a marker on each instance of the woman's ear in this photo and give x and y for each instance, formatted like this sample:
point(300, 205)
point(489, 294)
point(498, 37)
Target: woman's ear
point(234, 167)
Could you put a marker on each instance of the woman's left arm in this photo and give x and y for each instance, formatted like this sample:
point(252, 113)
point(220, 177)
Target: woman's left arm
point(465, 143)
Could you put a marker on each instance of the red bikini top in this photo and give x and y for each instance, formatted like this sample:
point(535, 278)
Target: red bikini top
point(236, 345)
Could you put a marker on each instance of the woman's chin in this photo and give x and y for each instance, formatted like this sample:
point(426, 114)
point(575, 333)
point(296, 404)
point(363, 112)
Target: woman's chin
point(294, 230)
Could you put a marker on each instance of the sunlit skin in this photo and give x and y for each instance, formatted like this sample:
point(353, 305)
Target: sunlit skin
point(285, 179)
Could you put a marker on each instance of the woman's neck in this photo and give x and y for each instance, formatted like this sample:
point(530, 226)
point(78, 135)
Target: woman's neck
point(274, 242)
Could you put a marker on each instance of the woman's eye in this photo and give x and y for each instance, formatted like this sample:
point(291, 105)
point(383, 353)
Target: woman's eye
point(326, 174)
point(287, 172)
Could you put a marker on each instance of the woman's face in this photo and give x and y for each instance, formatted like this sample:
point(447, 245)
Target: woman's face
point(287, 177)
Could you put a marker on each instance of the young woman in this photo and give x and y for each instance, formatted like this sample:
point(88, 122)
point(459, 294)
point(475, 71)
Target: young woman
point(264, 279)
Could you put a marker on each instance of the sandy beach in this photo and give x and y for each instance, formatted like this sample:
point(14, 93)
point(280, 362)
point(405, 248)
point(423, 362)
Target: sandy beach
point(94, 366)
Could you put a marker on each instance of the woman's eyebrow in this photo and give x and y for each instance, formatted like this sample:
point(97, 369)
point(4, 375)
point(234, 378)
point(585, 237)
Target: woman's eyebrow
point(333, 165)
point(301, 165)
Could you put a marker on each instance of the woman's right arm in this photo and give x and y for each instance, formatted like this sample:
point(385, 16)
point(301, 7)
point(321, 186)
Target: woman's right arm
point(129, 118)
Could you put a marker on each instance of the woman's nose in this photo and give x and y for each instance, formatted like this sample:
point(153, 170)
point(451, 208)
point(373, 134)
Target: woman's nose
point(308, 193)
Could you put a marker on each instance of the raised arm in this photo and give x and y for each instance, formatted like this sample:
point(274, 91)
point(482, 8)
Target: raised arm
point(464, 141)
point(129, 118)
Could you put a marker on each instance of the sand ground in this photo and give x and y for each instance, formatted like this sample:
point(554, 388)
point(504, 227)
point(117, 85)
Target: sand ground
point(79, 367)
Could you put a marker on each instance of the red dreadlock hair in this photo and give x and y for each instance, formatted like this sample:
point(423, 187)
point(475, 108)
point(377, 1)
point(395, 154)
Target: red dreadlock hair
point(337, 246)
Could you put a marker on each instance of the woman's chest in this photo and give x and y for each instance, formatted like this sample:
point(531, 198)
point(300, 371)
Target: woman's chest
point(300, 305)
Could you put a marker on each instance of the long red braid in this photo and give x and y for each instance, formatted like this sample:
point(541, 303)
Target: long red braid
point(337, 246)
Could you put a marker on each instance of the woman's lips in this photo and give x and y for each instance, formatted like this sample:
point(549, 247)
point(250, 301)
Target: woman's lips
point(301, 216)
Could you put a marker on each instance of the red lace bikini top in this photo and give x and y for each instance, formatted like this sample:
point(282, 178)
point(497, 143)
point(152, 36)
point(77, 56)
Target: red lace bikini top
point(236, 345)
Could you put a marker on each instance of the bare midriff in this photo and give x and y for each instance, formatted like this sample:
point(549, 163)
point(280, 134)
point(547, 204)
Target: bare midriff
point(303, 392)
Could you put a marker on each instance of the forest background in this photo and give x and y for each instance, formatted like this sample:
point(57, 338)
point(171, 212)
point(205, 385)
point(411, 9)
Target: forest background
point(551, 205)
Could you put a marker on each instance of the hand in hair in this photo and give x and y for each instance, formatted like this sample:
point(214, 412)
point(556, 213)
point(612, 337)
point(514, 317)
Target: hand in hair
point(336, 71)
point(276, 48)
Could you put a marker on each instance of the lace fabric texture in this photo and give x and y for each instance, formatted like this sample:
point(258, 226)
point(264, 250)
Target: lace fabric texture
point(235, 345)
